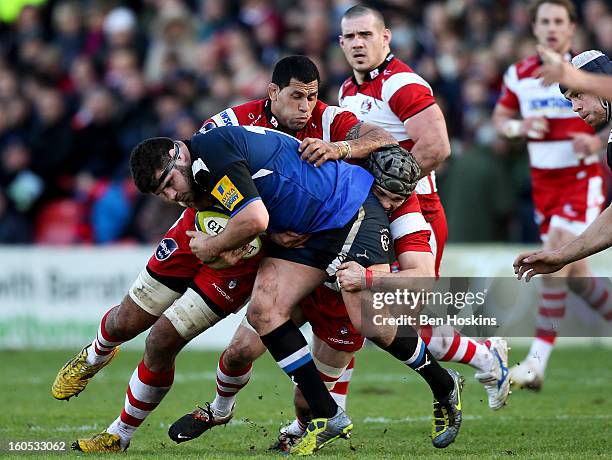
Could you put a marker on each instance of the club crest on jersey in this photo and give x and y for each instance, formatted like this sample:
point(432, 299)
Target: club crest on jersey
point(165, 249)
point(344, 330)
point(232, 284)
point(366, 106)
point(227, 193)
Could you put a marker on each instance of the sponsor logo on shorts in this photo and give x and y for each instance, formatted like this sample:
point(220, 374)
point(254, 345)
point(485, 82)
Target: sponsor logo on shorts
point(165, 249)
point(232, 284)
point(344, 330)
point(227, 193)
point(223, 293)
point(341, 341)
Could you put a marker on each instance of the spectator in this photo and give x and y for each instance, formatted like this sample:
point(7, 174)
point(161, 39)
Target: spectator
point(82, 82)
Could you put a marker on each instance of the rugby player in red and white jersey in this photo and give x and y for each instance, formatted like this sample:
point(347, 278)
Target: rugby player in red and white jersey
point(176, 295)
point(386, 92)
point(567, 184)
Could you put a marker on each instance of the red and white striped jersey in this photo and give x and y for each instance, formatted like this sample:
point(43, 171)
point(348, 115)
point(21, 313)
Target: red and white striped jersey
point(328, 122)
point(409, 230)
point(523, 92)
point(388, 97)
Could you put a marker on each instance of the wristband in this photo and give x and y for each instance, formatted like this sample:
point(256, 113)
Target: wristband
point(369, 278)
point(345, 150)
point(339, 150)
point(342, 153)
point(349, 153)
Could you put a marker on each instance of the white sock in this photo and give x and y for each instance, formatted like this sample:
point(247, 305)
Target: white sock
point(222, 405)
point(296, 428)
point(538, 355)
point(123, 430)
point(229, 383)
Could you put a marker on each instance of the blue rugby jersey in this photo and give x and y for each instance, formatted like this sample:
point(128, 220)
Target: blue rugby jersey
point(248, 163)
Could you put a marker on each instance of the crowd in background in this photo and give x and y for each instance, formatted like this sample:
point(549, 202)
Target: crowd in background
point(82, 82)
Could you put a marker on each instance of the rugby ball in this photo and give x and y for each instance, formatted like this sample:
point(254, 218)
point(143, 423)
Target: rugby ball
point(212, 221)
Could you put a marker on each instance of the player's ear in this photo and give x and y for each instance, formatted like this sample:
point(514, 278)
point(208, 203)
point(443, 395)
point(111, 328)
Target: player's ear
point(273, 91)
point(387, 36)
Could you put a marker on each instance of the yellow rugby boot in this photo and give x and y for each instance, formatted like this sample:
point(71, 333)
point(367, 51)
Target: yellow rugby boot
point(101, 442)
point(75, 375)
point(322, 431)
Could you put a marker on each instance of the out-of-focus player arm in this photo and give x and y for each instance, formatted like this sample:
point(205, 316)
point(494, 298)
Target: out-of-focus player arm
point(556, 70)
point(428, 131)
point(579, 80)
point(596, 238)
point(509, 126)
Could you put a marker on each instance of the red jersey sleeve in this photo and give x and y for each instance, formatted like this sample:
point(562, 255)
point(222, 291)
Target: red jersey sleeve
point(413, 242)
point(508, 99)
point(341, 124)
point(407, 94)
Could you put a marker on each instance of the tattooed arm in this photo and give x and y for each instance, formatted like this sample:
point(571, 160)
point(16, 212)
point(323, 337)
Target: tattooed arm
point(364, 138)
point(361, 140)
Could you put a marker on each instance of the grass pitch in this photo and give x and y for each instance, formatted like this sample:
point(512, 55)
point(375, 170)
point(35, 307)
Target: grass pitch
point(389, 404)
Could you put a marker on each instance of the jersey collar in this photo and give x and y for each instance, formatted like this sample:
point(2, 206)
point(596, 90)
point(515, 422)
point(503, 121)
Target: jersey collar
point(372, 74)
point(273, 121)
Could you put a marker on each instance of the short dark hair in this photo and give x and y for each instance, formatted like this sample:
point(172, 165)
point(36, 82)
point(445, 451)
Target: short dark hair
point(146, 159)
point(535, 5)
point(299, 67)
point(361, 10)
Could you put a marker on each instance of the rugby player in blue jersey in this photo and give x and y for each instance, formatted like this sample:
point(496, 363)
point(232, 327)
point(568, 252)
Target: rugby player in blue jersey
point(259, 177)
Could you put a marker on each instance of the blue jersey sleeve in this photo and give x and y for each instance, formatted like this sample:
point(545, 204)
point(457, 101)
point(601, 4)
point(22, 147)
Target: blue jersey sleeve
point(228, 178)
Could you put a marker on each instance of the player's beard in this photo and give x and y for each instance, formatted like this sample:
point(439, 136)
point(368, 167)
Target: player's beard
point(195, 193)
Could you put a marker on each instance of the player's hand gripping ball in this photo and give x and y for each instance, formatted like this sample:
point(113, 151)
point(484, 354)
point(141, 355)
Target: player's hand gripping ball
point(213, 221)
